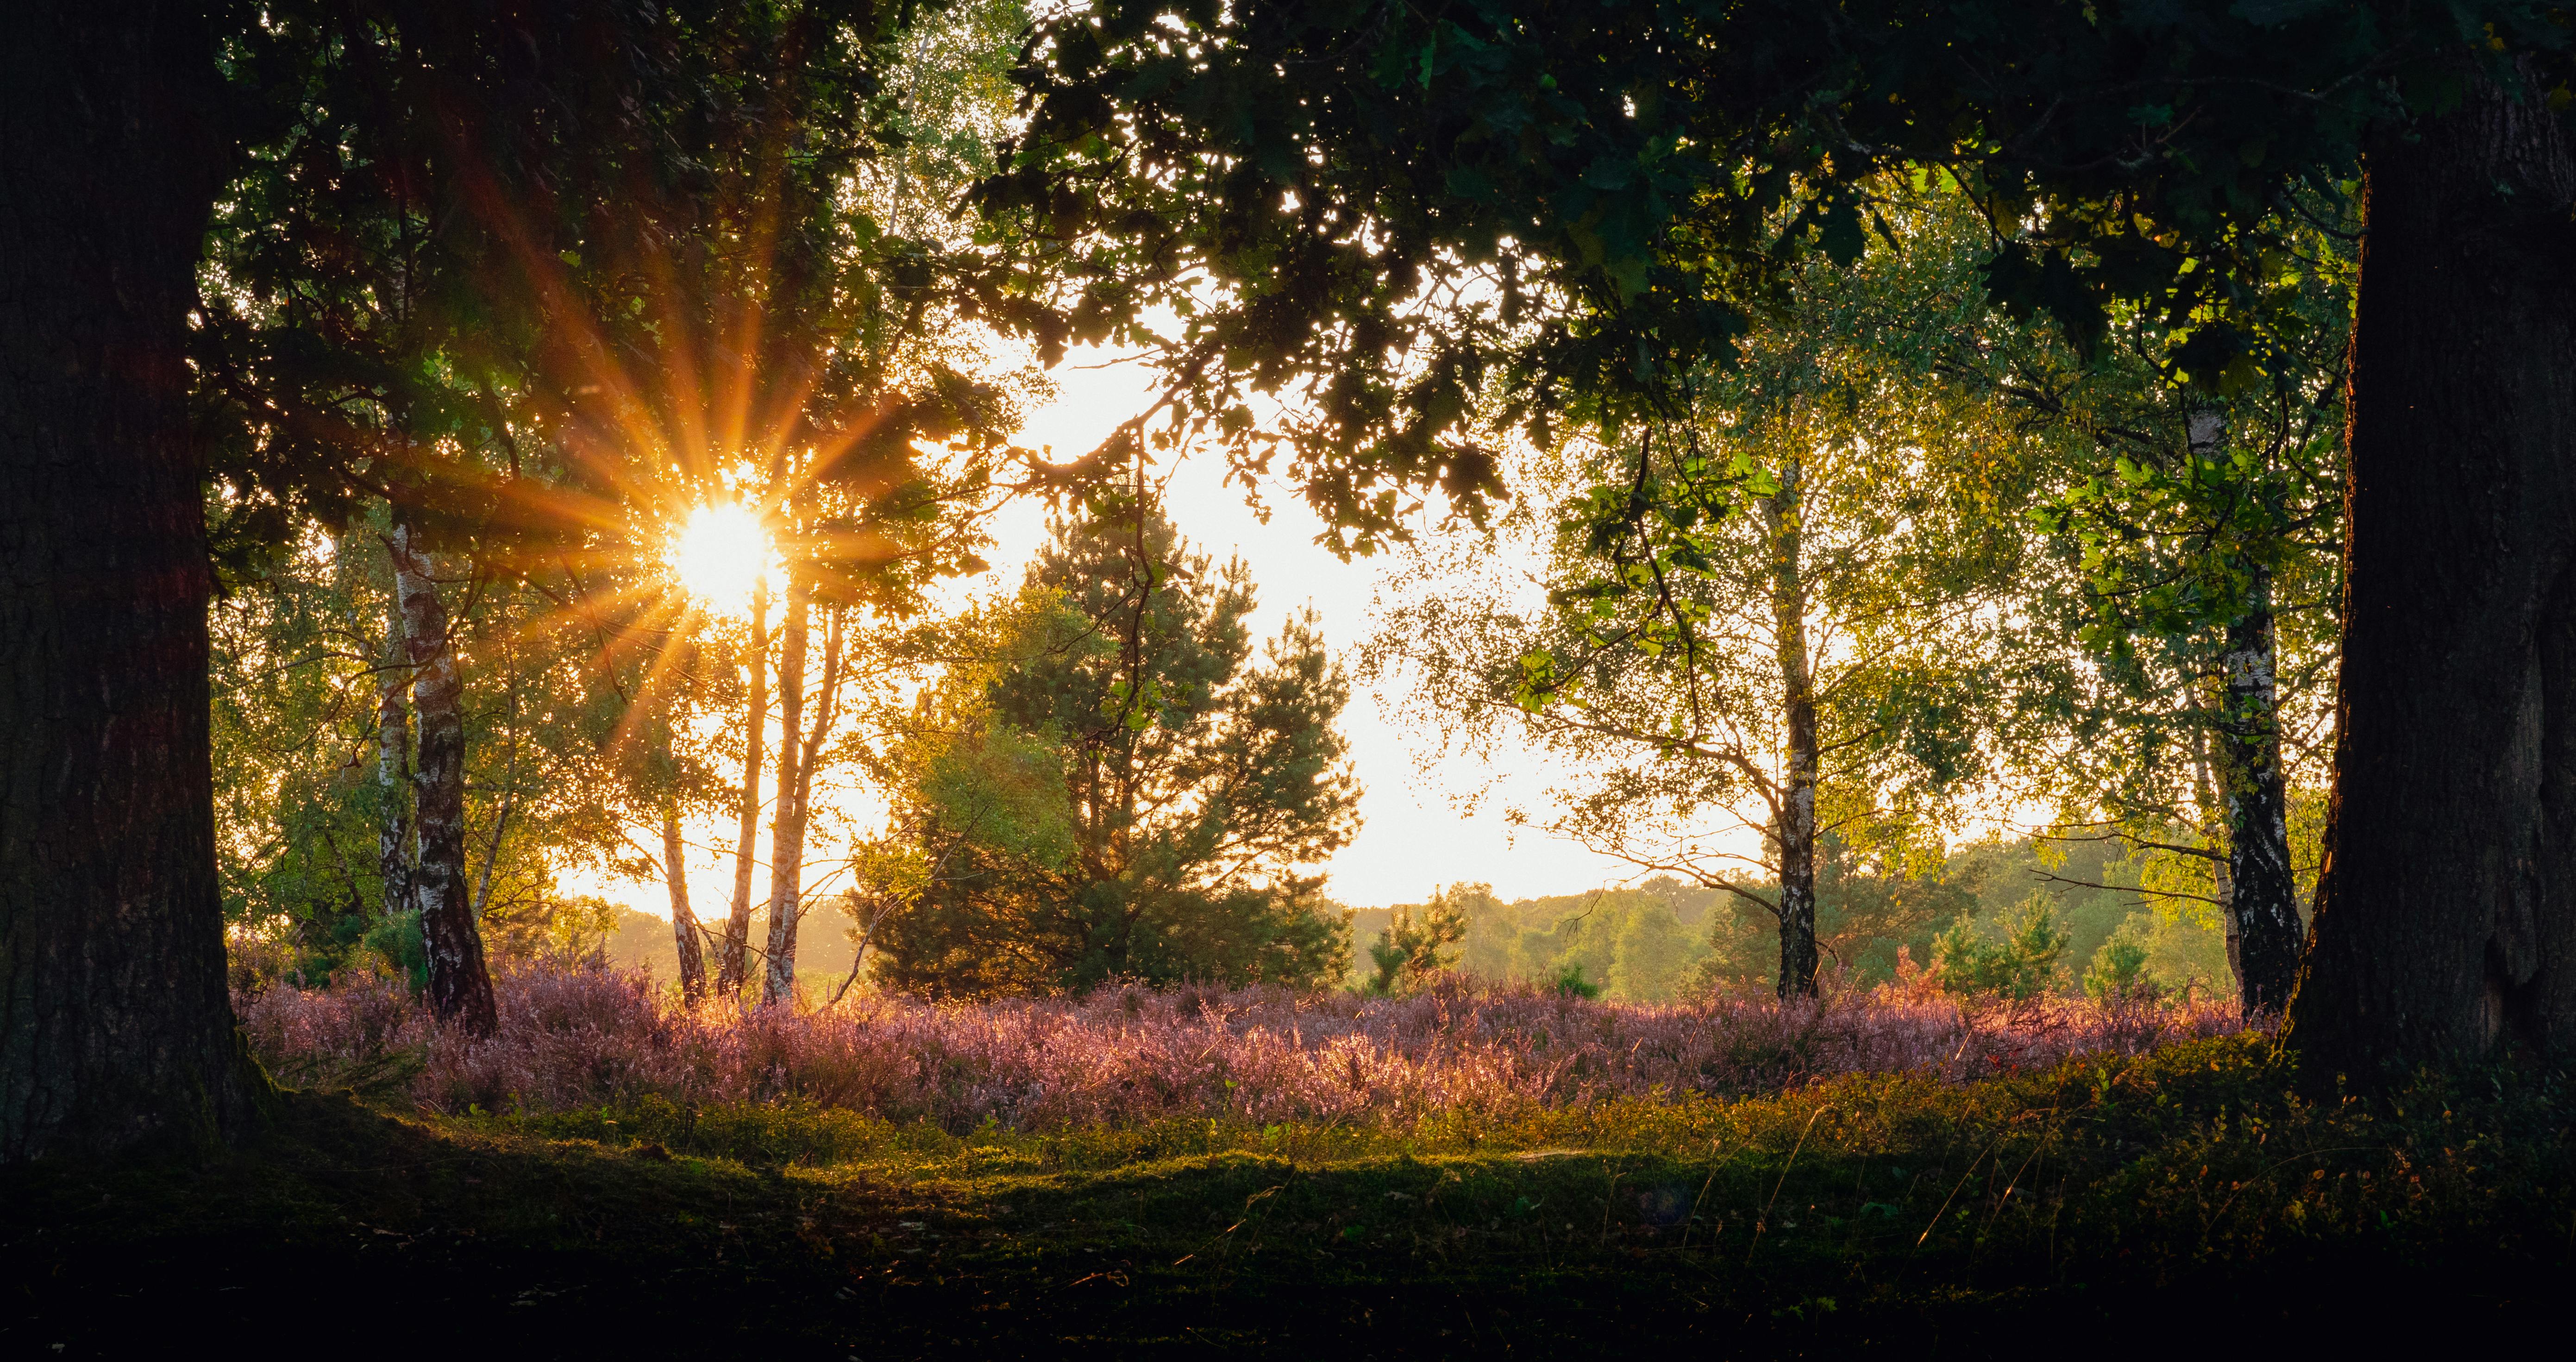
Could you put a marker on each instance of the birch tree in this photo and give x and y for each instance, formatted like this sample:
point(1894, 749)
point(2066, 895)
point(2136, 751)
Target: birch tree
point(2195, 530)
point(1768, 619)
point(1637, 180)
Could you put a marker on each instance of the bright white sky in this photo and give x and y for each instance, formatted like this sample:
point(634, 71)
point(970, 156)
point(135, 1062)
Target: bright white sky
point(1413, 838)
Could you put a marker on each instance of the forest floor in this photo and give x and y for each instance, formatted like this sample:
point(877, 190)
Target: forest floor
point(2184, 1199)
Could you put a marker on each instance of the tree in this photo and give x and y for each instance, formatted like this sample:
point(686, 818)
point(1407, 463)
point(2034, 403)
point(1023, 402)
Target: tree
point(2195, 596)
point(1767, 621)
point(2021, 967)
point(373, 322)
point(2445, 916)
point(566, 705)
point(412, 323)
point(436, 310)
point(732, 949)
point(1112, 785)
point(302, 670)
point(114, 1023)
point(1319, 181)
point(1412, 948)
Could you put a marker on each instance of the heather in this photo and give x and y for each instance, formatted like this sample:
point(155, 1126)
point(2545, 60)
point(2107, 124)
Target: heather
point(1849, 1211)
point(574, 1036)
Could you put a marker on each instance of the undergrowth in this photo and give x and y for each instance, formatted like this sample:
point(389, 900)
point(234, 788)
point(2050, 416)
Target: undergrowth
point(2198, 1153)
point(1837, 1207)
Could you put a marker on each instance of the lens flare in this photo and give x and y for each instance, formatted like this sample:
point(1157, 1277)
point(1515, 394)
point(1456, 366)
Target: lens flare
point(721, 555)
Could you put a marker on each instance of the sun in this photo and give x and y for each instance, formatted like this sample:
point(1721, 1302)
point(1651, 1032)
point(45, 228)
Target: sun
point(722, 555)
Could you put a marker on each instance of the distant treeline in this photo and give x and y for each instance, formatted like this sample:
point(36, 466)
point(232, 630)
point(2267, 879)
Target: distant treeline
point(1665, 938)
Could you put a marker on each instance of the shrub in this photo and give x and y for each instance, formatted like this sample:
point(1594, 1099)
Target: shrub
point(1412, 949)
point(1570, 982)
point(2119, 971)
point(397, 941)
point(2017, 969)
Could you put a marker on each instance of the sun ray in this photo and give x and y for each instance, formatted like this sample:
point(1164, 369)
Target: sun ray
point(672, 620)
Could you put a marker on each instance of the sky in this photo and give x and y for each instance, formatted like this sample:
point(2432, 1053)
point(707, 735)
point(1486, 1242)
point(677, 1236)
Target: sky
point(1414, 836)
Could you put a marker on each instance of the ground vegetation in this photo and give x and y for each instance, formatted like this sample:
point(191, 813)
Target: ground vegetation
point(1855, 1213)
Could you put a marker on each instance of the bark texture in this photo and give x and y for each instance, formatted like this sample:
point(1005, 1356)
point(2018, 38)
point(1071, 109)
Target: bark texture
point(460, 987)
point(684, 921)
point(2264, 939)
point(730, 964)
point(1794, 825)
point(115, 1026)
point(2442, 921)
point(787, 826)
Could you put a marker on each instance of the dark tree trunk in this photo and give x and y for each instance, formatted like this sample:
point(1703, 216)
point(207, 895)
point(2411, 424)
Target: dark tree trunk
point(2262, 900)
point(2442, 918)
point(1794, 826)
point(787, 827)
point(460, 987)
point(730, 965)
point(114, 1023)
point(684, 921)
point(393, 766)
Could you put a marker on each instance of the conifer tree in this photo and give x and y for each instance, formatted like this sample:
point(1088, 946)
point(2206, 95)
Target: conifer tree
point(1121, 787)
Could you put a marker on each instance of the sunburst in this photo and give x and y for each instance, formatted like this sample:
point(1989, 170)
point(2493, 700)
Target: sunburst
point(722, 555)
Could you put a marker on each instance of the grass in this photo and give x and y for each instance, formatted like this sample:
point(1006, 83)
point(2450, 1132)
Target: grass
point(2083, 1203)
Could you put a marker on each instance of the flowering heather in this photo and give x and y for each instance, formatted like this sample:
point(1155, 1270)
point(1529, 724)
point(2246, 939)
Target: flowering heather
point(575, 1036)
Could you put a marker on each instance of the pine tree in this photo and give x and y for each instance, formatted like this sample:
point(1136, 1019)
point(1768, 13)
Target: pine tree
point(1121, 788)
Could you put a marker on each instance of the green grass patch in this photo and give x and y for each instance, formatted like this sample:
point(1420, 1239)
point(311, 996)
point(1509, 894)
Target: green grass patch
point(1850, 1212)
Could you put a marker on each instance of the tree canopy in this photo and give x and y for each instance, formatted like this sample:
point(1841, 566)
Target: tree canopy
point(1114, 784)
point(1413, 216)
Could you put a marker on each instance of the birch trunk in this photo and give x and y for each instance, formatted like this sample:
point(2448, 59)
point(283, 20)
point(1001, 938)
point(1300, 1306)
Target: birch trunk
point(2257, 897)
point(2444, 919)
point(2264, 936)
point(787, 827)
point(1794, 827)
point(684, 920)
point(393, 762)
point(460, 988)
point(730, 970)
point(114, 1023)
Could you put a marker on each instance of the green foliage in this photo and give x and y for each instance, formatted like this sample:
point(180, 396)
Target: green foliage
point(1628, 182)
point(555, 764)
point(2180, 523)
point(1870, 916)
point(1570, 982)
point(1634, 944)
point(397, 941)
point(296, 806)
point(1415, 947)
point(2020, 967)
point(1822, 539)
point(1004, 791)
point(669, 255)
point(1109, 783)
point(2119, 970)
point(568, 927)
point(399, 302)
